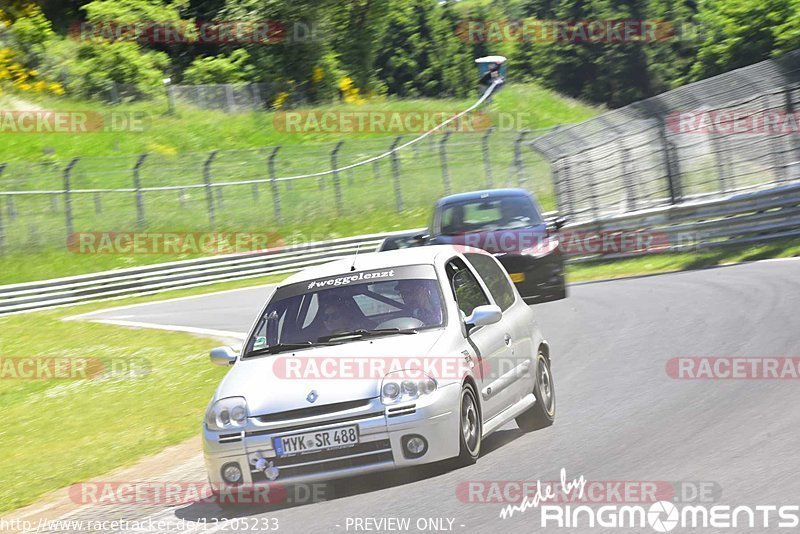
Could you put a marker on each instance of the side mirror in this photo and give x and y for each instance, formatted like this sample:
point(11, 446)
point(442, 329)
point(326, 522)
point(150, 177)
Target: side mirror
point(560, 222)
point(223, 356)
point(484, 315)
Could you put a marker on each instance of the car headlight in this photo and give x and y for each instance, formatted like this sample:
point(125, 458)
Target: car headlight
point(398, 387)
point(542, 248)
point(227, 414)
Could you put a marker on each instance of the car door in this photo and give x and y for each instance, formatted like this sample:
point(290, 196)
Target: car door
point(490, 344)
point(516, 319)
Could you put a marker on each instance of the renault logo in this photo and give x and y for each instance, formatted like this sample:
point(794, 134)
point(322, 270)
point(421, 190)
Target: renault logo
point(312, 397)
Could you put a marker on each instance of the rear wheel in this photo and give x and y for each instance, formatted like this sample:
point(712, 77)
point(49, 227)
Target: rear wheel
point(470, 427)
point(543, 412)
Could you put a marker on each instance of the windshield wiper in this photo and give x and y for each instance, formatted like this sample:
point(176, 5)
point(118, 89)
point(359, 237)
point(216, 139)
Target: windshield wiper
point(281, 347)
point(368, 333)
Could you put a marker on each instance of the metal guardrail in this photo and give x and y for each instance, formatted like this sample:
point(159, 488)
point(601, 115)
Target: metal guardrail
point(699, 224)
point(151, 279)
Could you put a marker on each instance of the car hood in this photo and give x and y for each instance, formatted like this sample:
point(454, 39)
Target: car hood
point(510, 241)
point(284, 381)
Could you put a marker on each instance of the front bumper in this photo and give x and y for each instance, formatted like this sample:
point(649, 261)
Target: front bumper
point(537, 279)
point(381, 431)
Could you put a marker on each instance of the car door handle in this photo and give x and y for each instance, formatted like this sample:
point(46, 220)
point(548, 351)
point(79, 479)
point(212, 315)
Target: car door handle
point(507, 339)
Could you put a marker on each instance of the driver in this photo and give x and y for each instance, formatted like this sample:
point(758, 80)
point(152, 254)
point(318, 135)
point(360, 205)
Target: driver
point(416, 295)
point(334, 317)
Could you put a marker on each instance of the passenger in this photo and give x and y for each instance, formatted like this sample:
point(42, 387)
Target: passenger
point(421, 304)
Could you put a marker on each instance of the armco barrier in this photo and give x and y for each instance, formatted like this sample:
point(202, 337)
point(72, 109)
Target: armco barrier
point(739, 219)
point(701, 224)
point(150, 279)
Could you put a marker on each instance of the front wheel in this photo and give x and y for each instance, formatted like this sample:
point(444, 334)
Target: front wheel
point(470, 427)
point(543, 412)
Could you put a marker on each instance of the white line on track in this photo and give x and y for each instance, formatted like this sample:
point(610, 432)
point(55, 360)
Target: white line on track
point(166, 301)
point(175, 328)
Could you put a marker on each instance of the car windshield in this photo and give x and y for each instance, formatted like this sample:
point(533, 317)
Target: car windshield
point(346, 307)
point(488, 214)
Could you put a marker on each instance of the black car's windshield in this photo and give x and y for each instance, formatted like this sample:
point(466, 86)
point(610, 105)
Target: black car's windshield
point(489, 214)
point(346, 307)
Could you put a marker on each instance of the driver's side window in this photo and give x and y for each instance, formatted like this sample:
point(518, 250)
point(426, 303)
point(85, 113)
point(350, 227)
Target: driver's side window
point(466, 289)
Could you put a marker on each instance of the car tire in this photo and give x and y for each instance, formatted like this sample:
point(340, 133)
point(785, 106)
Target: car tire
point(469, 427)
point(560, 293)
point(543, 412)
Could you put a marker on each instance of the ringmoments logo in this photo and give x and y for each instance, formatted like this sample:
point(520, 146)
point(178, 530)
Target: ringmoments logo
point(660, 516)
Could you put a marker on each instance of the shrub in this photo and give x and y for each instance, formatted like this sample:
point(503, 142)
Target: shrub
point(220, 69)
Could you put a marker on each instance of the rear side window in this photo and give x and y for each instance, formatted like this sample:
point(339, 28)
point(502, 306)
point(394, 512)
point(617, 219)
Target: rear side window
point(495, 279)
point(466, 289)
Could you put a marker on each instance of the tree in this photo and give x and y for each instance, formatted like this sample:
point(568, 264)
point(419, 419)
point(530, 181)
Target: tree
point(420, 53)
point(742, 32)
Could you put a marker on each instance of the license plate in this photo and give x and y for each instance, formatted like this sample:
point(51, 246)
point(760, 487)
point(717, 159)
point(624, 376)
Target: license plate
point(517, 277)
point(321, 440)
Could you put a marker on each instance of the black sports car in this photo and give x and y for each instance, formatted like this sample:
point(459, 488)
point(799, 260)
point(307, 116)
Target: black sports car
point(507, 223)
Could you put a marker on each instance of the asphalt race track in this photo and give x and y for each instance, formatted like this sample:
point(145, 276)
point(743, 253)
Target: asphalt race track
point(620, 416)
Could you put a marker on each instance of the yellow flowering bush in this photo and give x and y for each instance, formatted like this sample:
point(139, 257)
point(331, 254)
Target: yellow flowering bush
point(280, 100)
point(350, 93)
point(16, 75)
point(318, 75)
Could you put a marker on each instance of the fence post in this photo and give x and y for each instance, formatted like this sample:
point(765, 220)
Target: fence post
point(170, 99)
point(376, 169)
point(114, 93)
point(670, 163)
point(794, 143)
point(98, 204)
point(337, 188)
point(2, 226)
point(68, 199)
point(487, 162)
point(229, 101)
point(137, 184)
point(592, 190)
point(627, 179)
point(674, 173)
point(209, 193)
point(276, 195)
point(720, 155)
point(519, 166)
point(567, 189)
point(443, 158)
point(254, 189)
point(12, 209)
point(398, 193)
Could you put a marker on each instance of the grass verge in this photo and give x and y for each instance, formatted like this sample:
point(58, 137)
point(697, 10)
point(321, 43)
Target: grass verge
point(684, 261)
point(60, 431)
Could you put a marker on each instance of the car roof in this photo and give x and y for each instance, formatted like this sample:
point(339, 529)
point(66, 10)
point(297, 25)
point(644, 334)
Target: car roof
point(425, 255)
point(484, 193)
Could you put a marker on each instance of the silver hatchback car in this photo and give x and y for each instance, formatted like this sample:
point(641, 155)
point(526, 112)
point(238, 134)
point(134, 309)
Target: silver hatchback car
point(382, 361)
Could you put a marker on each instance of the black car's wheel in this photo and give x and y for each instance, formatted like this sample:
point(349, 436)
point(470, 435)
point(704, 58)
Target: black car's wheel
point(543, 413)
point(470, 427)
point(560, 293)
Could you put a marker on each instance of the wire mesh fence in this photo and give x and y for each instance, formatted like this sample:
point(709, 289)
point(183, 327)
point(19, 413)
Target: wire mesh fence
point(227, 97)
point(734, 132)
point(42, 205)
